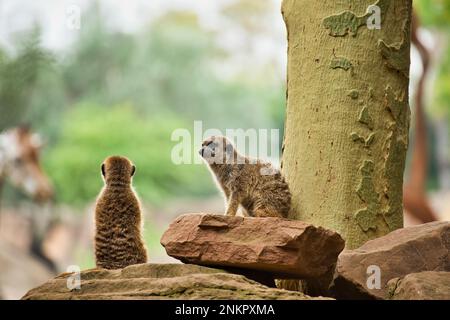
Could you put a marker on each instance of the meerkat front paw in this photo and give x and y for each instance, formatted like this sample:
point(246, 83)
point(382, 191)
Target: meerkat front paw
point(233, 205)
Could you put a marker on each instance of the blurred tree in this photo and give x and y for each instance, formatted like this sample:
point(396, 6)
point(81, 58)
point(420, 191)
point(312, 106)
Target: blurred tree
point(18, 78)
point(249, 14)
point(168, 66)
point(254, 20)
point(97, 60)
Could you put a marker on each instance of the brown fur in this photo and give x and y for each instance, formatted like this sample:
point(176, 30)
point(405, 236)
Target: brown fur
point(118, 239)
point(255, 185)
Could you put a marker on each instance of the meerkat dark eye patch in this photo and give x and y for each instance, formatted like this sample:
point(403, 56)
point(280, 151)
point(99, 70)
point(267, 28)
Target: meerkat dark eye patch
point(229, 148)
point(133, 170)
point(103, 169)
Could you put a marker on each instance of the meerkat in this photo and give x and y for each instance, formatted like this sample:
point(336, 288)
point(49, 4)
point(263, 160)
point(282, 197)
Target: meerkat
point(118, 218)
point(256, 186)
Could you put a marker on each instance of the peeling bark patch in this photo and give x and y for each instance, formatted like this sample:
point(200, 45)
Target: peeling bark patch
point(367, 217)
point(365, 118)
point(394, 172)
point(348, 22)
point(395, 104)
point(395, 147)
point(340, 62)
point(343, 23)
point(354, 94)
point(365, 141)
point(395, 56)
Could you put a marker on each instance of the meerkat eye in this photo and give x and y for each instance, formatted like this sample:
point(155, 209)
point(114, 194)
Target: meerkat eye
point(103, 170)
point(18, 161)
point(229, 148)
point(133, 170)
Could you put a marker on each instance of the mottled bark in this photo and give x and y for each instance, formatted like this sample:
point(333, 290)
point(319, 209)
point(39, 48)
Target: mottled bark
point(347, 117)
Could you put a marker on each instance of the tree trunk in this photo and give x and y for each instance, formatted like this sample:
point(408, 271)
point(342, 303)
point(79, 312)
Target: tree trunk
point(347, 117)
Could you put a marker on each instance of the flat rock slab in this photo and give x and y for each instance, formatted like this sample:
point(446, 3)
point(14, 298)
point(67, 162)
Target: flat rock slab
point(414, 249)
point(284, 248)
point(427, 285)
point(159, 281)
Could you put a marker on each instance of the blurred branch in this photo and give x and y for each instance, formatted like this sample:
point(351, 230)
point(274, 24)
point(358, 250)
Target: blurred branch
point(415, 200)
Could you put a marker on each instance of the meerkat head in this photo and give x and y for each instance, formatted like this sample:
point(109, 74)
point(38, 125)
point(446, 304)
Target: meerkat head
point(118, 169)
point(217, 150)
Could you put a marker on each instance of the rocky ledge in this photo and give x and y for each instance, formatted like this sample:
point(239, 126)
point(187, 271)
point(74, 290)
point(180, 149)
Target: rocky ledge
point(158, 281)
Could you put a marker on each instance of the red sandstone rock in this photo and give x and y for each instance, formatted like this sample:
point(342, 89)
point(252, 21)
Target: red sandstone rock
point(420, 248)
point(284, 248)
point(427, 285)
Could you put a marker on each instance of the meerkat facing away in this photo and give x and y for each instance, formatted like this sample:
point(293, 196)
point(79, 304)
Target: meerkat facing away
point(118, 218)
point(255, 185)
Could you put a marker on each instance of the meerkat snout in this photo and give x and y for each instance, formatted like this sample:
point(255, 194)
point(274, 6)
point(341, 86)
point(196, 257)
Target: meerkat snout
point(217, 150)
point(118, 218)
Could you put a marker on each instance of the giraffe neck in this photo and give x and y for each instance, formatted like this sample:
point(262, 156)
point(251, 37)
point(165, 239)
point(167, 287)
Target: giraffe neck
point(3, 158)
point(1, 190)
point(2, 166)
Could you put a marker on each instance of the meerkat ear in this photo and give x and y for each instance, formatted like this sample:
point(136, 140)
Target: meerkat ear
point(133, 170)
point(103, 169)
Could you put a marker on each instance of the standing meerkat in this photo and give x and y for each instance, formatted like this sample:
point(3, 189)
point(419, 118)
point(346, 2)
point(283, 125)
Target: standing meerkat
point(118, 218)
point(255, 185)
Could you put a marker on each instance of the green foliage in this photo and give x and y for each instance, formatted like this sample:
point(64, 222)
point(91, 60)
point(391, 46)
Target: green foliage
point(442, 89)
point(18, 77)
point(169, 65)
point(91, 133)
point(434, 13)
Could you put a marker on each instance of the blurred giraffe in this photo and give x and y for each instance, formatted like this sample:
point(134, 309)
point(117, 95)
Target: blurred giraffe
point(19, 163)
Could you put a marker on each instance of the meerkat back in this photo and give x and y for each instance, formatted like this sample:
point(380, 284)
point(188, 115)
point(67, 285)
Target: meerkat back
point(118, 218)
